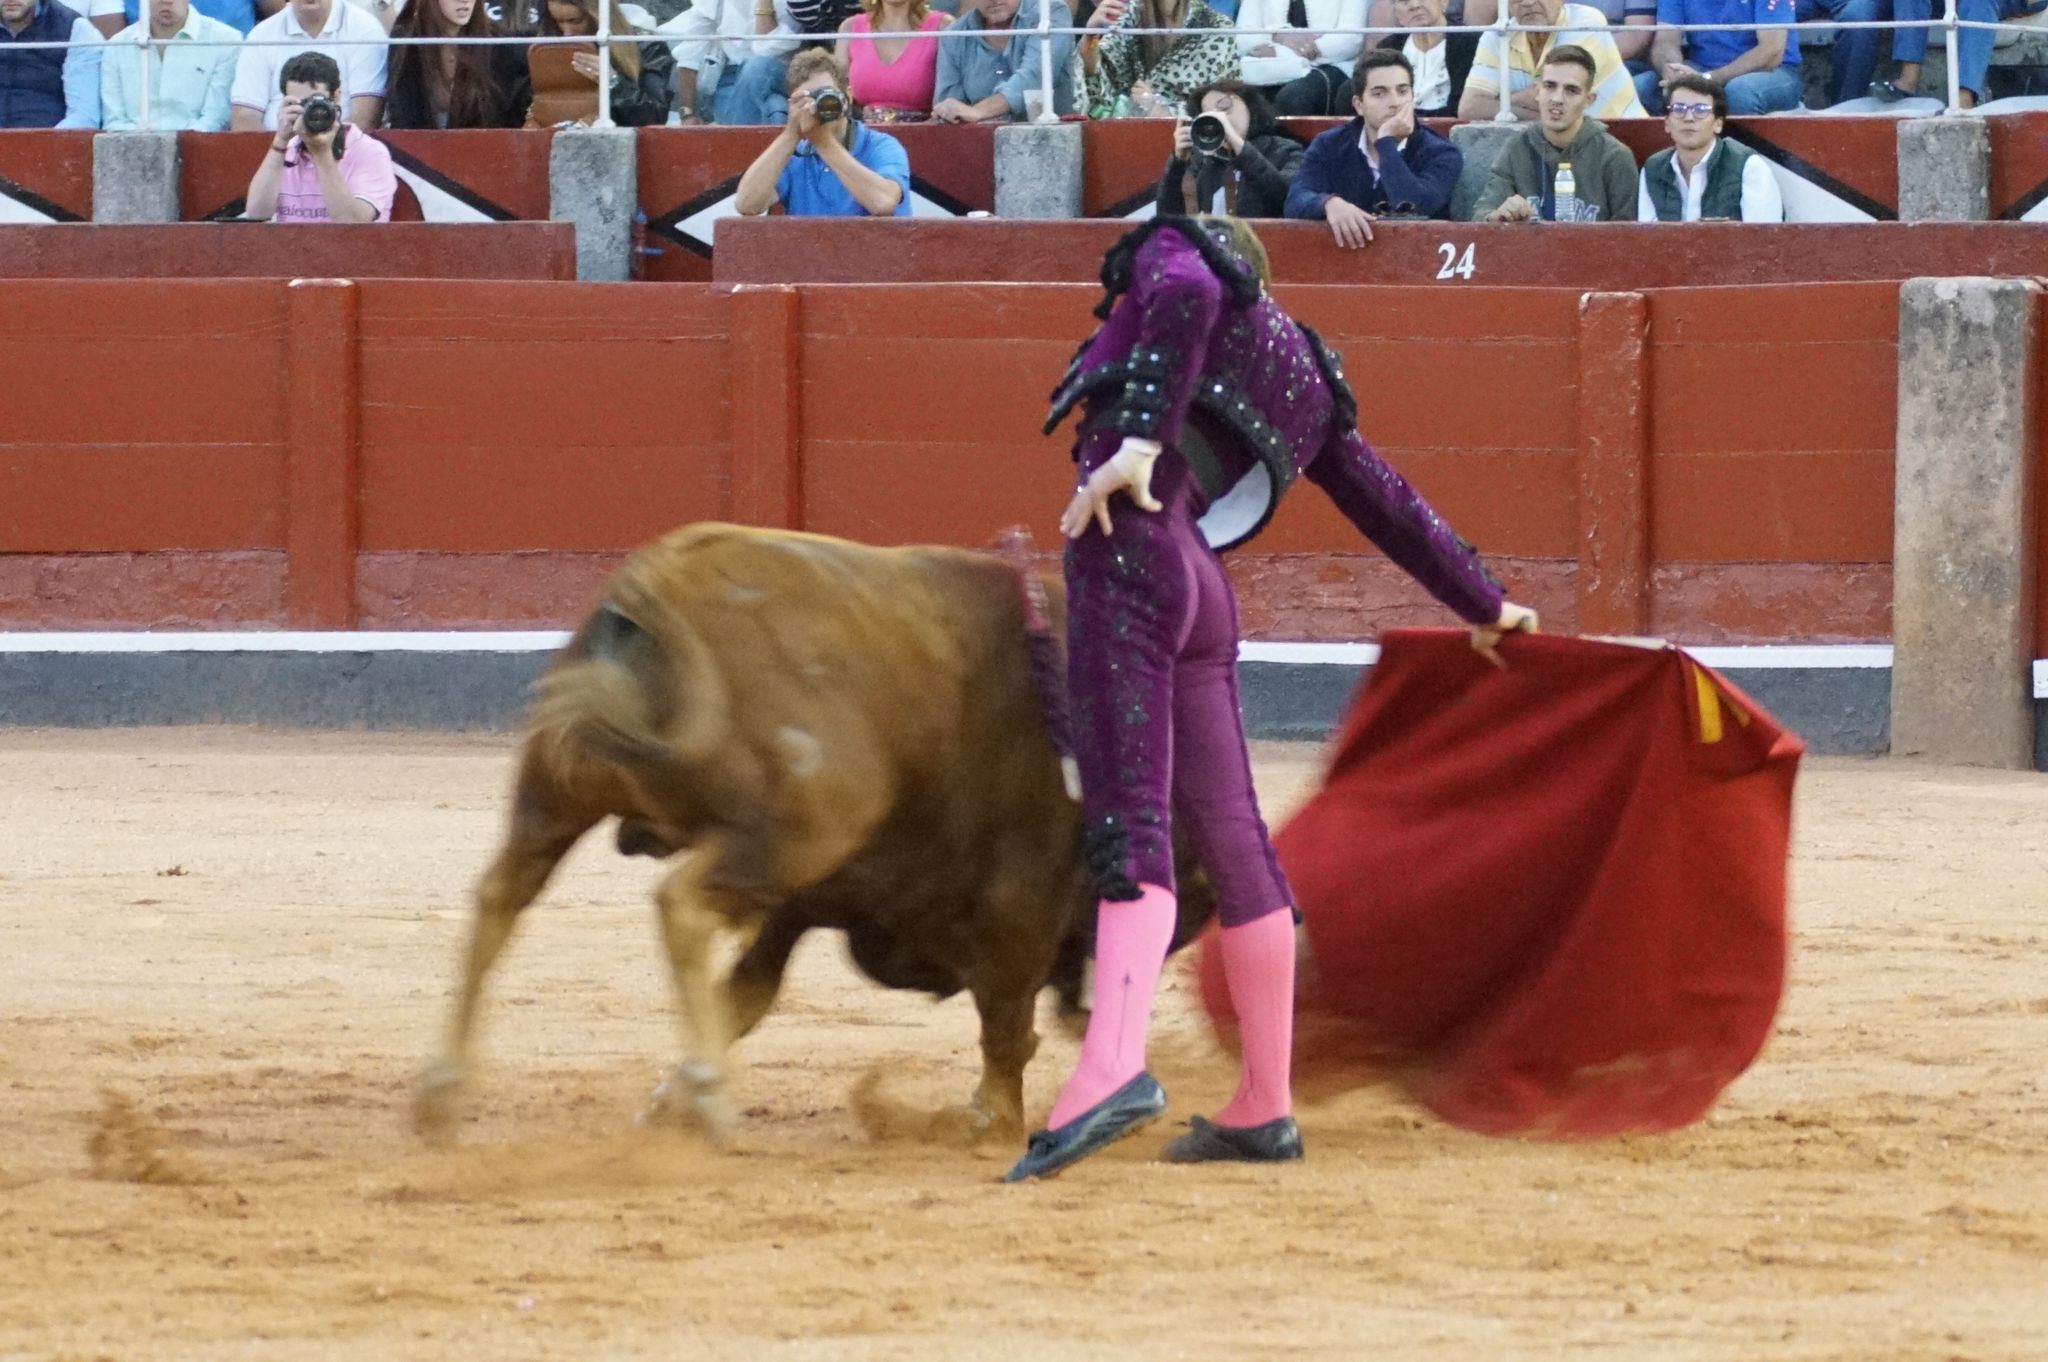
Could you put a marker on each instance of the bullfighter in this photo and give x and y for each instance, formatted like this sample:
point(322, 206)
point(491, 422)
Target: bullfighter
point(1201, 402)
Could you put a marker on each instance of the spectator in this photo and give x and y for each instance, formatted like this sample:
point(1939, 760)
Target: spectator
point(1440, 60)
point(831, 168)
point(340, 175)
point(1528, 183)
point(1853, 54)
point(455, 87)
point(716, 41)
point(188, 83)
point(565, 77)
point(990, 79)
point(1613, 93)
point(892, 78)
point(1702, 176)
point(1973, 45)
point(259, 71)
point(1150, 77)
point(48, 87)
point(111, 16)
point(1382, 161)
point(1759, 68)
point(758, 95)
point(1248, 176)
point(1291, 56)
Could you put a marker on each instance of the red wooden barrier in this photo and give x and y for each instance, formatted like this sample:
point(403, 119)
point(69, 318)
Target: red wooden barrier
point(258, 250)
point(1724, 473)
point(1605, 256)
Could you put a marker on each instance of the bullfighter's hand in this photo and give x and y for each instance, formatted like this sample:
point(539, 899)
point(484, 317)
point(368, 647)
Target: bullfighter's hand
point(1128, 470)
point(1513, 619)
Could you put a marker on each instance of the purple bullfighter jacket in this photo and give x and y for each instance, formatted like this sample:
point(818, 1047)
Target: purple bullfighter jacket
point(1194, 354)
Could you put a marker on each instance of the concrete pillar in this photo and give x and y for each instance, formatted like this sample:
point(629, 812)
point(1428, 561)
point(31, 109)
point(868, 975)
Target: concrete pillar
point(594, 182)
point(1944, 169)
point(1038, 170)
point(1965, 523)
point(135, 177)
point(1481, 143)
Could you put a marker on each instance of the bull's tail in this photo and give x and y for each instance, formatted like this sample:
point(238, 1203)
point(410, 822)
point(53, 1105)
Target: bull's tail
point(1048, 658)
point(644, 693)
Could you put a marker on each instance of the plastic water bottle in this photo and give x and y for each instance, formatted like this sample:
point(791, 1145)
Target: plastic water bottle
point(1564, 192)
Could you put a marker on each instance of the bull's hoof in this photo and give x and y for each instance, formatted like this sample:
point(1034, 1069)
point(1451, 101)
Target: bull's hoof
point(436, 1101)
point(692, 1097)
point(969, 1125)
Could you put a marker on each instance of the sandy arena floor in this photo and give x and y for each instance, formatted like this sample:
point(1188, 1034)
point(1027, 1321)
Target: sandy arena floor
point(223, 955)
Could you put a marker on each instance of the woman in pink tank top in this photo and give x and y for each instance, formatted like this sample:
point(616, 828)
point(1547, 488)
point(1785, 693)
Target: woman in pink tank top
point(892, 71)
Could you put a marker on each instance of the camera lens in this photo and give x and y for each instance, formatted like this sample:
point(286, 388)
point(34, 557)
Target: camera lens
point(828, 105)
point(317, 115)
point(1206, 134)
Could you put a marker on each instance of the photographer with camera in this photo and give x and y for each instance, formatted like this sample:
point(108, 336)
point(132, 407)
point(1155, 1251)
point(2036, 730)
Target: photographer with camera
point(318, 168)
point(1243, 164)
point(825, 162)
point(1382, 162)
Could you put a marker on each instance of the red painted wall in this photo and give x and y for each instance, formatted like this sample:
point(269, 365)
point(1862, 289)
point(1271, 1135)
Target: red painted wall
point(250, 250)
point(1596, 255)
point(471, 454)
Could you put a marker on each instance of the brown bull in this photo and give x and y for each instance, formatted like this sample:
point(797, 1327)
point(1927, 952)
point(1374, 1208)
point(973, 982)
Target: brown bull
point(834, 736)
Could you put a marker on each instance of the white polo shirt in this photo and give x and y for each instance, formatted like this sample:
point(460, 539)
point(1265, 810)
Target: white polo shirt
point(363, 69)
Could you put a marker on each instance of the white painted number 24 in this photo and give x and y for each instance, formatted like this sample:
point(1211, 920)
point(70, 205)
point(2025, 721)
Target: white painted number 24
point(1455, 264)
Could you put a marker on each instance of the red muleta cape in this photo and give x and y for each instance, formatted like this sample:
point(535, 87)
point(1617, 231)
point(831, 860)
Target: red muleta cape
point(1550, 899)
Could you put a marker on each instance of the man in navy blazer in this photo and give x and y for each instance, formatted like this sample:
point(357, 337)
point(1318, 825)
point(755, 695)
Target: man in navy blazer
point(1382, 161)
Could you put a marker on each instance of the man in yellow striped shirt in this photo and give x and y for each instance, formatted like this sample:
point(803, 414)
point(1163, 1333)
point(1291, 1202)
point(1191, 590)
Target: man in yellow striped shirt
point(1614, 92)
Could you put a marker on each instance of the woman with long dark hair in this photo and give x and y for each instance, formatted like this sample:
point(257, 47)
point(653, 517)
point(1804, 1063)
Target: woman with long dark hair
point(454, 86)
point(565, 88)
point(1247, 175)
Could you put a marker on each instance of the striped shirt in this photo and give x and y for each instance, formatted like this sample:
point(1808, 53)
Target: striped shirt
point(1614, 90)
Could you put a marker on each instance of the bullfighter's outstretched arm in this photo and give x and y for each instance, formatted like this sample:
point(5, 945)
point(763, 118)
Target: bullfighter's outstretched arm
point(1390, 512)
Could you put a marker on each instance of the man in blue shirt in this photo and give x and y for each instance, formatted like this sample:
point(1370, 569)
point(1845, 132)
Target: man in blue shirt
point(48, 87)
point(990, 79)
point(826, 167)
point(1759, 68)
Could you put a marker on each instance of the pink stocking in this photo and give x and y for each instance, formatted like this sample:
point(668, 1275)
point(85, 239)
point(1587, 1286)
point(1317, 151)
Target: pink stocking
point(1258, 964)
point(1131, 938)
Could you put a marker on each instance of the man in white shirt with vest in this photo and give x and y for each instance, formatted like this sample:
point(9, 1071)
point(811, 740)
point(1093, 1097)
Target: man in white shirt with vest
point(1703, 176)
point(313, 26)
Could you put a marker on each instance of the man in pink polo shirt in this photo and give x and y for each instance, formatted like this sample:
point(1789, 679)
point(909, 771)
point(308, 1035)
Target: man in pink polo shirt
point(341, 174)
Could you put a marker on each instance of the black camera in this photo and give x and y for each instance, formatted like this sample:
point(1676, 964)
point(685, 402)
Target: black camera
point(1208, 135)
point(317, 115)
point(828, 105)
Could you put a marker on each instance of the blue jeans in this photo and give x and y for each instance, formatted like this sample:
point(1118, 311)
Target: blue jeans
point(714, 104)
point(1759, 92)
point(758, 94)
point(1855, 49)
point(1973, 45)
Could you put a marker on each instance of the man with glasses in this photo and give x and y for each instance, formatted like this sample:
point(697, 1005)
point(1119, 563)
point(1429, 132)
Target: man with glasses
point(1702, 176)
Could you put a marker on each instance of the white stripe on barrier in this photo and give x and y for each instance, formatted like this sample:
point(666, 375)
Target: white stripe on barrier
point(1743, 657)
point(363, 641)
point(1776, 656)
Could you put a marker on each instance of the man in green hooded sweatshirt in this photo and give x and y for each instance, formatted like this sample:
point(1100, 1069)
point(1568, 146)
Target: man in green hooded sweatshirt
point(1565, 167)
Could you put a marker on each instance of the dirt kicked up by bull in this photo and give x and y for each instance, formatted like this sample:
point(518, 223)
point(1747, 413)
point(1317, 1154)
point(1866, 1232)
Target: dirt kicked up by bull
point(815, 733)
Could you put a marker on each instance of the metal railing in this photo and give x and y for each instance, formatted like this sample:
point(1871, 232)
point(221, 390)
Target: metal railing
point(1504, 29)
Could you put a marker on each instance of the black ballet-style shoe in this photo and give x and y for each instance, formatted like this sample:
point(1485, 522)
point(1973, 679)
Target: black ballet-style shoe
point(1276, 1141)
point(1126, 1111)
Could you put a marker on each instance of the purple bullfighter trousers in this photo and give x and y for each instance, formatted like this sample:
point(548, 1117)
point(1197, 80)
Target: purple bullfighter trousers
point(1152, 681)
